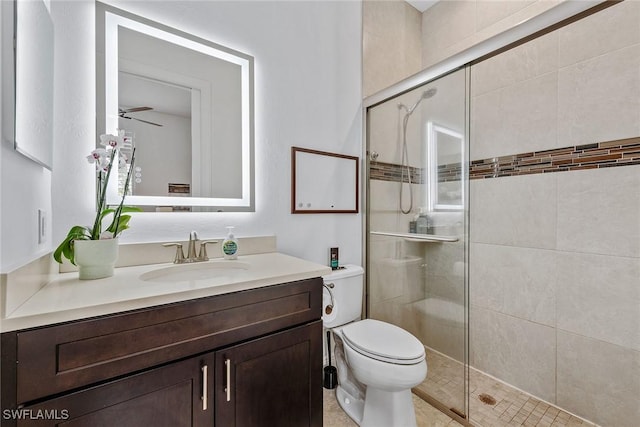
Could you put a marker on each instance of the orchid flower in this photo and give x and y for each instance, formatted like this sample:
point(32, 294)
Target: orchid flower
point(103, 158)
point(97, 156)
point(113, 141)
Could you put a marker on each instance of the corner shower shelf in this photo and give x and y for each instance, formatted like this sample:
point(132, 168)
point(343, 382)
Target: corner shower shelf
point(414, 237)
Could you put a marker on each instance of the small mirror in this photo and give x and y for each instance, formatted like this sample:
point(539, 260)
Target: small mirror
point(446, 174)
point(323, 182)
point(186, 105)
point(29, 120)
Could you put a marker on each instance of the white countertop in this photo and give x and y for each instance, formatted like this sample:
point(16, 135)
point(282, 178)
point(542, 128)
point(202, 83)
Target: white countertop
point(67, 298)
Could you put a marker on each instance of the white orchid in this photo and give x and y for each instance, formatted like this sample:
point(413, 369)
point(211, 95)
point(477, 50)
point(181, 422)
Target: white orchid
point(103, 158)
point(97, 156)
point(113, 141)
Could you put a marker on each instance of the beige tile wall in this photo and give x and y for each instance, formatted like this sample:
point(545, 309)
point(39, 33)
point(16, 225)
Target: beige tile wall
point(392, 43)
point(452, 26)
point(515, 350)
point(555, 258)
point(514, 211)
point(598, 377)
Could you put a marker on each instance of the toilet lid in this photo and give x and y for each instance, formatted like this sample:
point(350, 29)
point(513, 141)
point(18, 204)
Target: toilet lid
point(383, 341)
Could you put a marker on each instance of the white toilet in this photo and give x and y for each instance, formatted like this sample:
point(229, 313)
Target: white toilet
point(378, 363)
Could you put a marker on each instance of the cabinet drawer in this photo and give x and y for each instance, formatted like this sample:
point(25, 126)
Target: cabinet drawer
point(63, 357)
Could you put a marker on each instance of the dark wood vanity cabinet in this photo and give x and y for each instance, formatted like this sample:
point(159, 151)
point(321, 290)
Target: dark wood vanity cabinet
point(274, 378)
point(249, 358)
point(167, 396)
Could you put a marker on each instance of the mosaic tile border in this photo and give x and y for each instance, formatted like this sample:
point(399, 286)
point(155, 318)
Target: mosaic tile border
point(449, 172)
point(392, 172)
point(620, 152)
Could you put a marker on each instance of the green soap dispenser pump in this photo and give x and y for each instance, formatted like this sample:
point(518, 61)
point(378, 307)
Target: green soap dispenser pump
point(230, 245)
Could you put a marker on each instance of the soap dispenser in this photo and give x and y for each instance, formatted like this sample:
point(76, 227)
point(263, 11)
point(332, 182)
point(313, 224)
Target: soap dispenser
point(230, 245)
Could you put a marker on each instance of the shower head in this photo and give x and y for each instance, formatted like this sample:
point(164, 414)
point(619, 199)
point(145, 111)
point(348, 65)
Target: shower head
point(429, 92)
point(425, 95)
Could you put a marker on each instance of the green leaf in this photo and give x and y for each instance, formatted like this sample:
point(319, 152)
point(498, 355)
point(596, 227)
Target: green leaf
point(105, 212)
point(131, 209)
point(120, 222)
point(65, 248)
point(120, 225)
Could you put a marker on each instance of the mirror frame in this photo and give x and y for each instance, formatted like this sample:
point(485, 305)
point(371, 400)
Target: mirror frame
point(40, 150)
point(301, 173)
point(432, 162)
point(108, 19)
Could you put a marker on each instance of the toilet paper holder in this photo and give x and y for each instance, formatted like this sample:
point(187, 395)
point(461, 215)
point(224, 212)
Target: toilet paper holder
point(329, 308)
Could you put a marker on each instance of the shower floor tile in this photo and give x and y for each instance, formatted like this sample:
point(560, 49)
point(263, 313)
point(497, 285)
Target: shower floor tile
point(426, 415)
point(492, 403)
point(505, 406)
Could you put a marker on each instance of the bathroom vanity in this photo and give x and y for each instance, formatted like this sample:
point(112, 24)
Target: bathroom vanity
point(247, 357)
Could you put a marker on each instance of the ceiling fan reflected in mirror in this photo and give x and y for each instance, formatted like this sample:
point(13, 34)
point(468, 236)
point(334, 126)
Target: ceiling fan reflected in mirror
point(122, 112)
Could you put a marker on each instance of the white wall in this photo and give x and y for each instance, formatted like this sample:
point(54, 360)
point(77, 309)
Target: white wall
point(308, 93)
point(25, 187)
point(163, 153)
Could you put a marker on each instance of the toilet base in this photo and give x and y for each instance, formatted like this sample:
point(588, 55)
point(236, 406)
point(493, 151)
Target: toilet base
point(380, 408)
point(388, 408)
point(353, 407)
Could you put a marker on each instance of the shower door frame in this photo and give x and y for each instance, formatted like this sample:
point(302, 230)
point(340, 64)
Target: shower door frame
point(461, 418)
point(550, 20)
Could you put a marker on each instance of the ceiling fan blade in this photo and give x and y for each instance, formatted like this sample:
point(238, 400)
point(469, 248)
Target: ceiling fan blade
point(143, 121)
point(134, 109)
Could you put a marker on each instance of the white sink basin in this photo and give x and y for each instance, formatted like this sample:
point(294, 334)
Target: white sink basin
point(195, 271)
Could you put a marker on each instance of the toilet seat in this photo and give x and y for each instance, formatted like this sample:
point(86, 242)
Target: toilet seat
point(384, 342)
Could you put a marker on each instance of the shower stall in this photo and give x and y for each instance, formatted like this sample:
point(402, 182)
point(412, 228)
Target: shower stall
point(503, 221)
point(418, 227)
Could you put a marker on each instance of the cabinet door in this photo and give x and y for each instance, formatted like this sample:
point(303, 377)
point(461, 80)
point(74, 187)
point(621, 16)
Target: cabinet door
point(170, 396)
point(271, 381)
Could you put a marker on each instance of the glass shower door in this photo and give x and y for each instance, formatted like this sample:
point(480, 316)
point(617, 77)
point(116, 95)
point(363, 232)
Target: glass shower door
point(417, 228)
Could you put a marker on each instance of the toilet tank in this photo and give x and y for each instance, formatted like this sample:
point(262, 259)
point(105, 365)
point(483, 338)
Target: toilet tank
point(343, 289)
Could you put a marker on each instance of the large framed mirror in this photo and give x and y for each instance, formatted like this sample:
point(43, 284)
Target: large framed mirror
point(27, 87)
point(446, 175)
point(186, 104)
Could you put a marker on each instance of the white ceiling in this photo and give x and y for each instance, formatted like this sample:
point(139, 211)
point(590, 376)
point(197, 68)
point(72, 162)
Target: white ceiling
point(422, 5)
point(136, 91)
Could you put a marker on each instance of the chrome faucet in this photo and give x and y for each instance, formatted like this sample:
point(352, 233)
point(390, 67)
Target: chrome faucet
point(191, 250)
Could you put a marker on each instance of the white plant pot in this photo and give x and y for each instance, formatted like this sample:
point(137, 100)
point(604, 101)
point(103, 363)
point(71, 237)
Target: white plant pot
point(95, 258)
